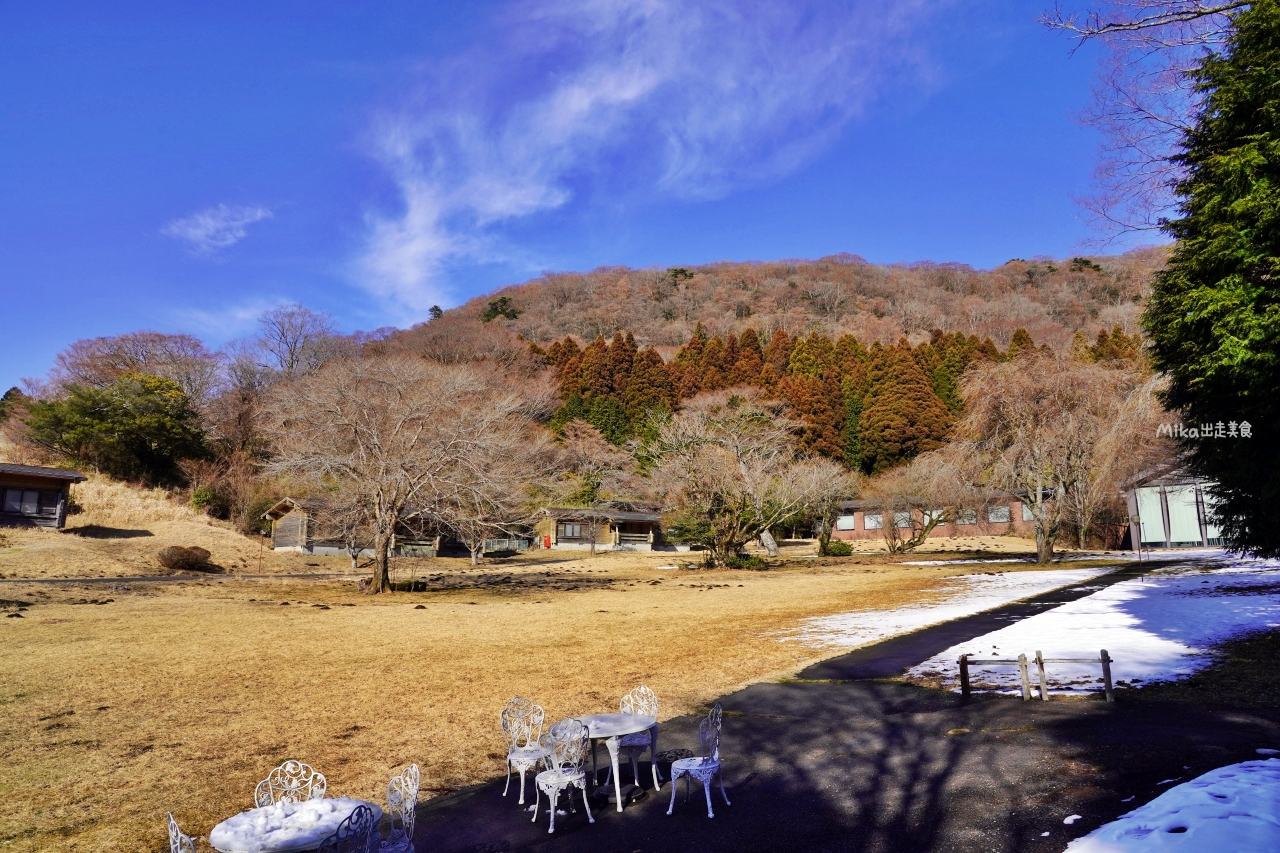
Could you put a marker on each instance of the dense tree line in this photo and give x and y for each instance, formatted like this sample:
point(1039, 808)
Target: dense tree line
point(871, 408)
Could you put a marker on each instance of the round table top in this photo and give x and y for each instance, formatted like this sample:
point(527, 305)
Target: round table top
point(285, 827)
point(616, 725)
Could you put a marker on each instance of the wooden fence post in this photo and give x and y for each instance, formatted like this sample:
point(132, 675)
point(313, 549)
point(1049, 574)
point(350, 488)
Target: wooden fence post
point(964, 677)
point(1106, 676)
point(1044, 682)
point(1026, 681)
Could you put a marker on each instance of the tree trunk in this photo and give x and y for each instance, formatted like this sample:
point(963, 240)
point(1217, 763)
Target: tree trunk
point(381, 562)
point(1044, 542)
point(767, 540)
point(824, 538)
point(475, 552)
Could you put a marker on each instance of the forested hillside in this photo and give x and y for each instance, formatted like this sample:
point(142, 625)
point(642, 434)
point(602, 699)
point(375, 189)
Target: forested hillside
point(836, 296)
point(868, 357)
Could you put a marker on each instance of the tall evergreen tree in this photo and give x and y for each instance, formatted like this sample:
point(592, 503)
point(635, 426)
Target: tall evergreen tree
point(901, 415)
point(1214, 313)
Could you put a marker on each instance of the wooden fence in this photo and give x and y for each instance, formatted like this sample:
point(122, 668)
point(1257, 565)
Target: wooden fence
point(1023, 671)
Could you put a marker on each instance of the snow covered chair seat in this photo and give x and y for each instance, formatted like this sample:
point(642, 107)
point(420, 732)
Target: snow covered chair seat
point(291, 782)
point(705, 767)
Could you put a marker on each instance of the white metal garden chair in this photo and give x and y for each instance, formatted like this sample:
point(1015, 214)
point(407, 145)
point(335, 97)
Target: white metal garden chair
point(354, 835)
point(706, 766)
point(566, 749)
point(522, 727)
point(641, 701)
point(402, 802)
point(291, 782)
point(179, 843)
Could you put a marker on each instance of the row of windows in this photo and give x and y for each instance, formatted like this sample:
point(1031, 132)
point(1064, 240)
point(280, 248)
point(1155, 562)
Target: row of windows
point(569, 531)
point(996, 514)
point(30, 502)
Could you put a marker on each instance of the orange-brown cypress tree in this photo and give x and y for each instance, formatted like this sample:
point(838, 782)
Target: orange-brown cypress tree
point(902, 416)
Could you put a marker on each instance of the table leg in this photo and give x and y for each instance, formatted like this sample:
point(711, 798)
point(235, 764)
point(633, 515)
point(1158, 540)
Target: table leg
point(612, 744)
point(653, 754)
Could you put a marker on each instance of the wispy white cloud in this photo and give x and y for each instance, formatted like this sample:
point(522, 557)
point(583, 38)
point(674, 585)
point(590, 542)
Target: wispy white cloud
point(215, 228)
point(631, 99)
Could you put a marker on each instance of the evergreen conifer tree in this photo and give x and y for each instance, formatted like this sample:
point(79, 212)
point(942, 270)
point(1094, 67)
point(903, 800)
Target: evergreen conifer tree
point(1214, 313)
point(901, 415)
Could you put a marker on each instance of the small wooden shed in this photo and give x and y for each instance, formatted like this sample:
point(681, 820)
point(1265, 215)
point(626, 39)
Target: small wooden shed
point(33, 495)
point(290, 524)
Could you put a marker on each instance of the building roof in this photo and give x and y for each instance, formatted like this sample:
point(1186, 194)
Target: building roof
point(286, 505)
point(614, 515)
point(41, 471)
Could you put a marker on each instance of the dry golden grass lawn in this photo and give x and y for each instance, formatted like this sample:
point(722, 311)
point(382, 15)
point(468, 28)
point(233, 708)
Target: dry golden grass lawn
point(181, 696)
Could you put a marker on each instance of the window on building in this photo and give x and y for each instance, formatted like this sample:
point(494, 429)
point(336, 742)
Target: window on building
point(872, 521)
point(570, 531)
point(1026, 513)
point(935, 515)
point(967, 516)
point(902, 520)
point(13, 500)
point(845, 522)
point(998, 514)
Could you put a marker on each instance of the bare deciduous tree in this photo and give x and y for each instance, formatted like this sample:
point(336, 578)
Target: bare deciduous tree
point(730, 463)
point(483, 492)
point(98, 362)
point(296, 339)
point(931, 490)
point(1055, 432)
point(388, 429)
point(343, 517)
point(1145, 98)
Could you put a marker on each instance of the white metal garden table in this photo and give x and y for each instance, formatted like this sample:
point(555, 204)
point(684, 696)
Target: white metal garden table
point(611, 728)
point(285, 827)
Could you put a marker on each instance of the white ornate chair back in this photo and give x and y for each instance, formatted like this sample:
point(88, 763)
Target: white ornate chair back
point(522, 722)
point(641, 701)
point(402, 800)
point(709, 734)
point(354, 834)
point(569, 745)
point(291, 782)
point(179, 843)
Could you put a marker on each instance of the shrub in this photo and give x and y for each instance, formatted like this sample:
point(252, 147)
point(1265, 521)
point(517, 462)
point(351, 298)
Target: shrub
point(839, 548)
point(179, 559)
point(746, 561)
point(203, 498)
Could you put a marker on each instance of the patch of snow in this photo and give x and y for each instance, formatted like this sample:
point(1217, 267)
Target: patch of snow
point(1154, 628)
point(1071, 819)
point(1130, 799)
point(1044, 835)
point(1234, 808)
point(963, 595)
point(1267, 751)
point(285, 826)
point(1165, 782)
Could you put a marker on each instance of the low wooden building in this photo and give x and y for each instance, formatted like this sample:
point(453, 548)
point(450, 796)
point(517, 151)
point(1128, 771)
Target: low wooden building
point(618, 527)
point(1004, 514)
point(32, 495)
point(293, 528)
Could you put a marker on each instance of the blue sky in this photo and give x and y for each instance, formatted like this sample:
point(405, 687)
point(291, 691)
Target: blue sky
point(183, 167)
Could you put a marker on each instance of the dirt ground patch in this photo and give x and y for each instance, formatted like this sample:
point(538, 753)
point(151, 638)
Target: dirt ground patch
point(121, 702)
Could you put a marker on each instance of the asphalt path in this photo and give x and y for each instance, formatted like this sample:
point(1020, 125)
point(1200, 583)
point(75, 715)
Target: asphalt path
point(844, 758)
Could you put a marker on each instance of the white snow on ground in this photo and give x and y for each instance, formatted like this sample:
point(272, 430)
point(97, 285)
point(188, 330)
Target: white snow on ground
point(1157, 627)
point(963, 595)
point(1234, 809)
point(285, 826)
